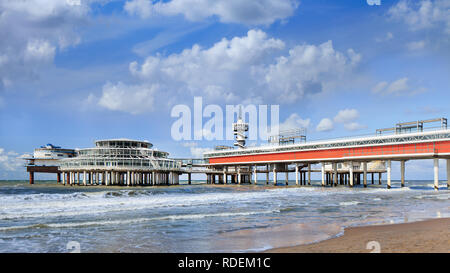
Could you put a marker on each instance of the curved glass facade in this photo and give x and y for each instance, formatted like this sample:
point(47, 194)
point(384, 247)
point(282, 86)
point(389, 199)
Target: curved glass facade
point(121, 155)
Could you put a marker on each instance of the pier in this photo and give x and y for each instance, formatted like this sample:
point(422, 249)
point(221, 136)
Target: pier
point(342, 162)
point(407, 141)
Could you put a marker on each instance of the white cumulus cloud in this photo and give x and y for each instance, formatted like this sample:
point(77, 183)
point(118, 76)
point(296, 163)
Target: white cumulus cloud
point(308, 68)
point(10, 161)
point(249, 68)
point(134, 99)
point(295, 121)
point(196, 152)
point(397, 87)
point(346, 116)
point(424, 14)
point(354, 126)
point(417, 45)
point(32, 31)
point(325, 125)
point(227, 11)
point(39, 50)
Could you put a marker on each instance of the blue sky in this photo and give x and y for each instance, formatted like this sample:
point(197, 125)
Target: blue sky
point(75, 71)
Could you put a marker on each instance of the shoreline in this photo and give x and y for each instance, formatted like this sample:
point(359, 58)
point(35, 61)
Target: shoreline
point(427, 236)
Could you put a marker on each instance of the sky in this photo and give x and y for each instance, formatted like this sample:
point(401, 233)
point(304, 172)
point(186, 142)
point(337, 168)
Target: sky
point(75, 71)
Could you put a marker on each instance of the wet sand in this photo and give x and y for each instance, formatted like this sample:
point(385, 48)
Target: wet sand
point(430, 236)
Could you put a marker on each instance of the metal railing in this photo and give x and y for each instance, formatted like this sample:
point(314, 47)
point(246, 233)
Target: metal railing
point(397, 139)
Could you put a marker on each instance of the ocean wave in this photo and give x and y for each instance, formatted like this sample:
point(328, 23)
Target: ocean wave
point(110, 201)
point(137, 220)
point(349, 203)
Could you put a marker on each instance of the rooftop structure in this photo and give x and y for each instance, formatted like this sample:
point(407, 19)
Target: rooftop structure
point(414, 126)
point(291, 136)
point(49, 155)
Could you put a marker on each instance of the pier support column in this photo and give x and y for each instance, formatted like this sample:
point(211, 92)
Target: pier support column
point(274, 175)
point(239, 175)
point(372, 178)
point(106, 178)
point(225, 175)
point(64, 178)
point(365, 174)
point(58, 178)
point(436, 173)
point(402, 171)
point(388, 174)
point(335, 174)
point(31, 178)
point(448, 173)
point(189, 179)
point(323, 174)
point(97, 178)
point(255, 179)
point(128, 178)
point(309, 174)
point(351, 176)
point(287, 177)
point(84, 178)
point(296, 174)
point(379, 178)
point(267, 175)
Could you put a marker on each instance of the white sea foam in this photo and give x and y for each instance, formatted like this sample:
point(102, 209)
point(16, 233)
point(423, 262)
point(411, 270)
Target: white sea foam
point(137, 220)
point(350, 203)
point(75, 204)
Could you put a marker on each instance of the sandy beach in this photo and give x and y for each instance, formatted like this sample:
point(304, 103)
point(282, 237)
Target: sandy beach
point(430, 236)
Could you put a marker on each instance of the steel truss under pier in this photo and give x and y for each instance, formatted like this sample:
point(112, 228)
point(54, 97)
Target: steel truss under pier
point(120, 177)
point(331, 175)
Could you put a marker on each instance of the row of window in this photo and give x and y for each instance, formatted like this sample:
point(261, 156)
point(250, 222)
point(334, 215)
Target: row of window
point(156, 164)
point(117, 152)
point(123, 144)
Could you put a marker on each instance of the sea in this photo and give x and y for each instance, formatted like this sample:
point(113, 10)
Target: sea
point(46, 217)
